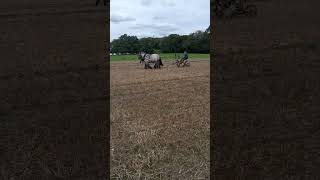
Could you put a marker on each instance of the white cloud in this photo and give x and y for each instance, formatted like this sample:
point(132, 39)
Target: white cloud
point(158, 18)
point(146, 2)
point(168, 3)
point(116, 18)
point(156, 27)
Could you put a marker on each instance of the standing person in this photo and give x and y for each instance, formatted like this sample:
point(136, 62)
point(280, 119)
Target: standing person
point(104, 2)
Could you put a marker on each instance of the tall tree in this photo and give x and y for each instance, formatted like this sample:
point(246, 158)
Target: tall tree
point(197, 42)
point(149, 45)
point(125, 44)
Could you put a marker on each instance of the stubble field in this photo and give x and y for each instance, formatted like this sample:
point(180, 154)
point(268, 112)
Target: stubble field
point(160, 121)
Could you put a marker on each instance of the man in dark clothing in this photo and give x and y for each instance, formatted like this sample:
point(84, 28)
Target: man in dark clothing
point(185, 55)
point(104, 2)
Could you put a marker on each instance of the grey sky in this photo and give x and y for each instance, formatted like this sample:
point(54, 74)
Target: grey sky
point(148, 18)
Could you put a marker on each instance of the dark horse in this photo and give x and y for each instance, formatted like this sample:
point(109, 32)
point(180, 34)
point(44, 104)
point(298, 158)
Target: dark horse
point(150, 59)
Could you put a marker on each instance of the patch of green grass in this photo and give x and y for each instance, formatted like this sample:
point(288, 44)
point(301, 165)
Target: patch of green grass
point(164, 56)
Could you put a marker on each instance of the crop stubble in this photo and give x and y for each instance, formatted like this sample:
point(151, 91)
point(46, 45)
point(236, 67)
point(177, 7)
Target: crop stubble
point(160, 121)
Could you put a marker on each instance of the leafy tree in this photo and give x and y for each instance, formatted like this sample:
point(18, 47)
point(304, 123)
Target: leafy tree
point(208, 30)
point(149, 45)
point(172, 43)
point(197, 42)
point(125, 44)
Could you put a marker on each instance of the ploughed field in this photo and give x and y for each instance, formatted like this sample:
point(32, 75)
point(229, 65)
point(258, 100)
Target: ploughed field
point(160, 121)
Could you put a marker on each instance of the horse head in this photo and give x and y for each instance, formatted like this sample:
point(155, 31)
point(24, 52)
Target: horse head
point(141, 56)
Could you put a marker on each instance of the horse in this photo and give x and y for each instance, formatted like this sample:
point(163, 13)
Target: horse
point(150, 59)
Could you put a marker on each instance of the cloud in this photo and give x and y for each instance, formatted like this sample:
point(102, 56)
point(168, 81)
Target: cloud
point(116, 18)
point(143, 35)
point(163, 34)
point(168, 3)
point(167, 28)
point(165, 3)
point(158, 18)
point(146, 2)
point(150, 30)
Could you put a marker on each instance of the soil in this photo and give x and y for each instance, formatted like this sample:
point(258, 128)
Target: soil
point(160, 121)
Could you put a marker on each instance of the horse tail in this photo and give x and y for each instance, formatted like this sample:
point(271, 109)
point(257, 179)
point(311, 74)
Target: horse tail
point(160, 62)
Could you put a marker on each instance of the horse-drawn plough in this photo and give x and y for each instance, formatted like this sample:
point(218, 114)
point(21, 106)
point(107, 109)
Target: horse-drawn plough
point(181, 62)
point(153, 61)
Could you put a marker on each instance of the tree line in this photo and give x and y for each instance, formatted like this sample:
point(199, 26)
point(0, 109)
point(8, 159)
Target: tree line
point(197, 42)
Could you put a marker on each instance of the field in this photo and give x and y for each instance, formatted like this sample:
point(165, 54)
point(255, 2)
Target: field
point(164, 56)
point(160, 121)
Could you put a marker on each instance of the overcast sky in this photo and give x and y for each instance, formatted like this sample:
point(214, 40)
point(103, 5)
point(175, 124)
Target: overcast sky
point(158, 18)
